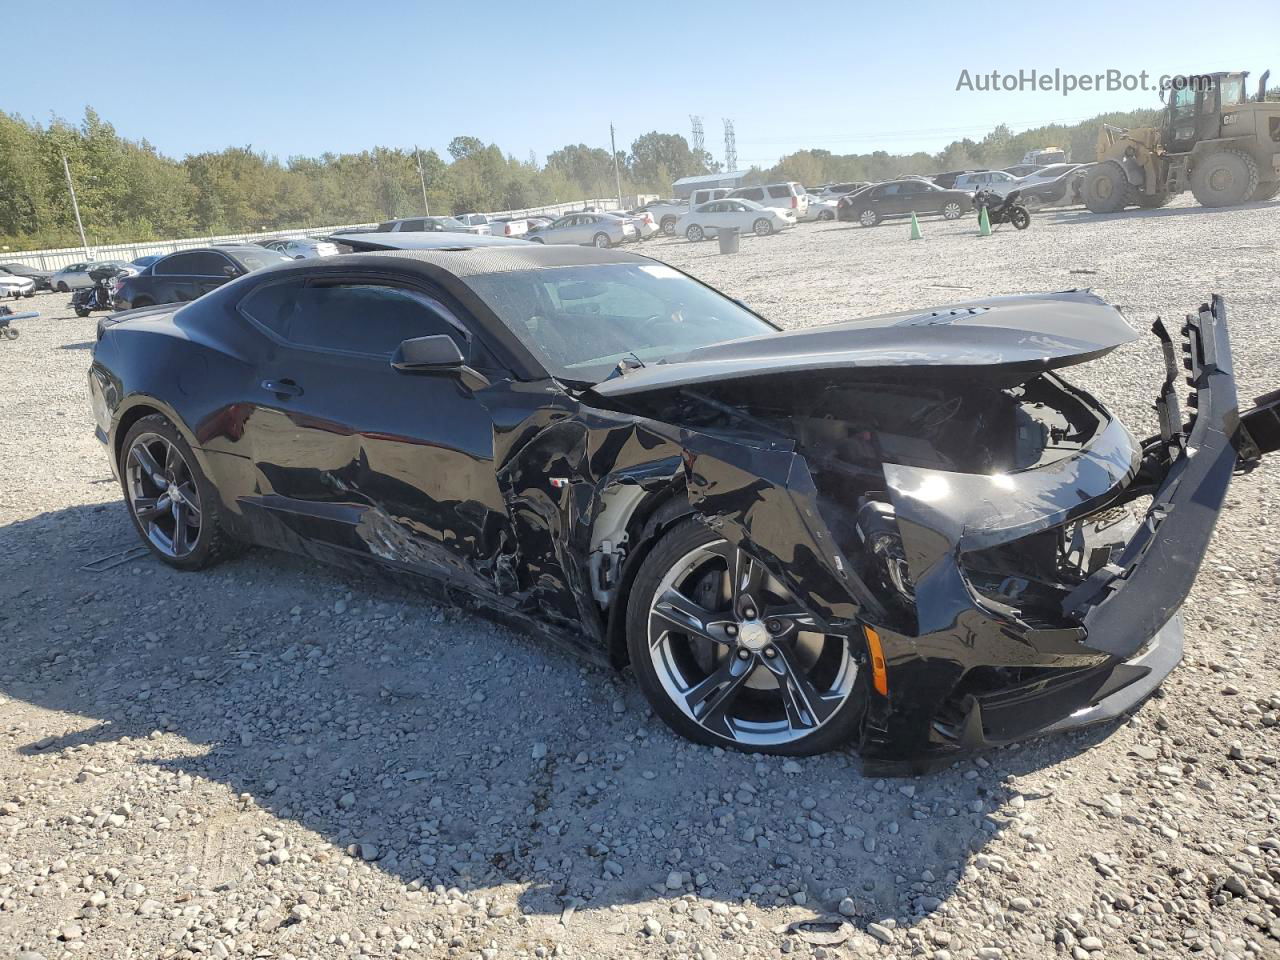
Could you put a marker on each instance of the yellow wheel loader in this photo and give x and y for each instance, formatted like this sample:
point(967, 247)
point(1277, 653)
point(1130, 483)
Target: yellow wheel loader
point(1214, 140)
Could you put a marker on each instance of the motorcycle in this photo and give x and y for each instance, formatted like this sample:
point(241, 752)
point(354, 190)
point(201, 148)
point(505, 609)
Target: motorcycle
point(100, 295)
point(1006, 209)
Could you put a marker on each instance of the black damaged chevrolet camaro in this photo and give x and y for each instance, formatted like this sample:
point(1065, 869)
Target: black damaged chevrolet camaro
point(906, 533)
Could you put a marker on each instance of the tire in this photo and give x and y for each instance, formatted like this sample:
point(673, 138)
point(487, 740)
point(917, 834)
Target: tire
point(536, 240)
point(826, 215)
point(142, 484)
point(10, 333)
point(62, 287)
point(601, 241)
point(868, 217)
point(81, 312)
point(694, 233)
point(1225, 179)
point(743, 665)
point(1105, 188)
point(668, 225)
point(762, 227)
point(952, 210)
point(1266, 190)
point(1020, 218)
point(1153, 201)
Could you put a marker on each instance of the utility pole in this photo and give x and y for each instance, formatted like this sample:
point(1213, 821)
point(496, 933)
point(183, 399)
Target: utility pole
point(421, 179)
point(617, 176)
point(75, 205)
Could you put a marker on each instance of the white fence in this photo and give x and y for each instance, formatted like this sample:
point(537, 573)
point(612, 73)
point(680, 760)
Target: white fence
point(65, 256)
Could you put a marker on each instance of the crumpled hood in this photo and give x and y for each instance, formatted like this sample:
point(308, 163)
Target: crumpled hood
point(997, 338)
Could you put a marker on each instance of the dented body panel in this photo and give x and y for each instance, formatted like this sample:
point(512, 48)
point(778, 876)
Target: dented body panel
point(1014, 585)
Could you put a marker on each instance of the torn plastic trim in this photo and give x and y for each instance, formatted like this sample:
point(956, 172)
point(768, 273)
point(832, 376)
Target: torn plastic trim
point(1129, 600)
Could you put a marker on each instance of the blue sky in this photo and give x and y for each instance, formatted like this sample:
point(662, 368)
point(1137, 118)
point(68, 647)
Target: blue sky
point(306, 77)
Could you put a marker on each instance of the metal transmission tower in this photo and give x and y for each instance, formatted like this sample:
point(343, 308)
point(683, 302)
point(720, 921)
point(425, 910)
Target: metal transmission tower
point(730, 148)
point(698, 142)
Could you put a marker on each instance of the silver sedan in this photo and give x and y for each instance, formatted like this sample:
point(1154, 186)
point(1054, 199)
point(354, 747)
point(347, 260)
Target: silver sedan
point(587, 229)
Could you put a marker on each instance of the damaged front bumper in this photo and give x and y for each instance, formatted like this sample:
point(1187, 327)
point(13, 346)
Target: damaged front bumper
point(978, 672)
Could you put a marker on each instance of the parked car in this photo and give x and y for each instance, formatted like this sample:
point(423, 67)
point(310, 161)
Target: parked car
point(835, 191)
point(480, 221)
point(428, 224)
point(509, 227)
point(41, 277)
point(822, 208)
point(791, 536)
point(189, 274)
point(747, 215)
point(12, 286)
point(788, 195)
point(667, 212)
point(948, 180)
point(1044, 174)
point(646, 226)
point(592, 229)
point(1062, 191)
point(997, 181)
point(300, 248)
point(901, 198)
point(76, 276)
point(1021, 169)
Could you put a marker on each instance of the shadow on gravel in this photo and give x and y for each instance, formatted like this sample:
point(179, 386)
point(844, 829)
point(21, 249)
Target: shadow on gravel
point(82, 345)
point(445, 749)
point(1084, 216)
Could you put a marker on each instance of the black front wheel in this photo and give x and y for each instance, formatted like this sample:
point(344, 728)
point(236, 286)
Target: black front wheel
point(727, 656)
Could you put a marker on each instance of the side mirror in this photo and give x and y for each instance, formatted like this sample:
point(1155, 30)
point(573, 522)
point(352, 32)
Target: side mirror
point(438, 352)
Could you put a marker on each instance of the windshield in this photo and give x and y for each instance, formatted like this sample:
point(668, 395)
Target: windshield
point(581, 321)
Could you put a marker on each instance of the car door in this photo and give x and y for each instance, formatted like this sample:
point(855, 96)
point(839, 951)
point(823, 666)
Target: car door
point(885, 199)
point(177, 278)
point(361, 457)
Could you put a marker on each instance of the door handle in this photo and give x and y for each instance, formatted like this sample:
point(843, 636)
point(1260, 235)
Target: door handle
point(283, 389)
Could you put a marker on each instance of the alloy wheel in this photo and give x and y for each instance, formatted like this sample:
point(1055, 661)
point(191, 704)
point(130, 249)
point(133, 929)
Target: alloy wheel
point(163, 495)
point(739, 656)
point(952, 211)
point(867, 218)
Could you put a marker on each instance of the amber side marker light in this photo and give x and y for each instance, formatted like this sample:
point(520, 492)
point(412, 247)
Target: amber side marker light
point(879, 676)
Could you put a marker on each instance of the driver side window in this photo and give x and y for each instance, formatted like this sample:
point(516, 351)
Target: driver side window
point(369, 319)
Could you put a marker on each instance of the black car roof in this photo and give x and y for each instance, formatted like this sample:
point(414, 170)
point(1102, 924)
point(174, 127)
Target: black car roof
point(463, 260)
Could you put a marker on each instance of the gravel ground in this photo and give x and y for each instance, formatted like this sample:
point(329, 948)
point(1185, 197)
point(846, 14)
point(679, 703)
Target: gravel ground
point(273, 759)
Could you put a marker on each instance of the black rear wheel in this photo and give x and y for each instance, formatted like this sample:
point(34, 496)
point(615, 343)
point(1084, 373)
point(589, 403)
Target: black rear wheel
point(1020, 218)
point(727, 656)
point(173, 505)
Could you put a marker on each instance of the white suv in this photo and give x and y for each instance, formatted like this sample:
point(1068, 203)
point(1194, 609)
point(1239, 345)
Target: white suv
point(781, 196)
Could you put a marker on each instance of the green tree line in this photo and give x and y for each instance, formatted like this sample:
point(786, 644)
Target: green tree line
point(128, 191)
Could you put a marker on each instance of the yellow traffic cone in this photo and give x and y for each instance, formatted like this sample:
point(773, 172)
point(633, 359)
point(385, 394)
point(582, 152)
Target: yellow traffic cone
point(984, 224)
point(915, 226)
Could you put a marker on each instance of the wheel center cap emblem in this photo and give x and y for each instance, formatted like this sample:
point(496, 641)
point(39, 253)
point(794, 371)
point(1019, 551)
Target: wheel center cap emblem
point(753, 635)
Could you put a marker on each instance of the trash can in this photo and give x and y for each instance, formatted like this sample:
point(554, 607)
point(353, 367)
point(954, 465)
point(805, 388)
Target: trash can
point(728, 239)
